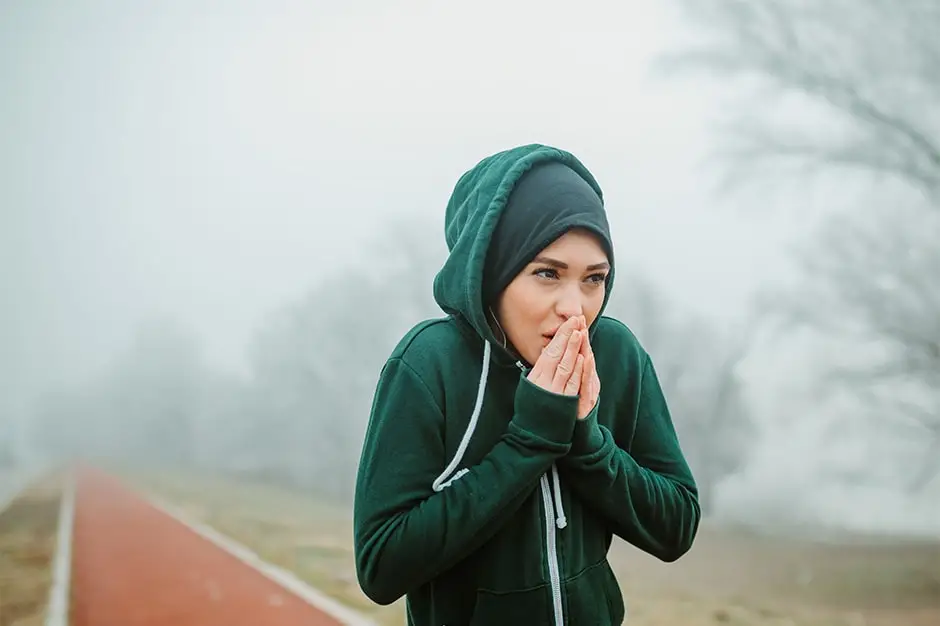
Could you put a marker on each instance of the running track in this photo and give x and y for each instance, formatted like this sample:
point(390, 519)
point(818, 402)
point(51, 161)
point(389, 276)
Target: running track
point(134, 564)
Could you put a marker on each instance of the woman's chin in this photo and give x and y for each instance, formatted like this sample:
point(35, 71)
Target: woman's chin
point(532, 355)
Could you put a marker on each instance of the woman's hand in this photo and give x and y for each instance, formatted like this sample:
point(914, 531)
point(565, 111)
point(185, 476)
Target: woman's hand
point(560, 367)
point(590, 381)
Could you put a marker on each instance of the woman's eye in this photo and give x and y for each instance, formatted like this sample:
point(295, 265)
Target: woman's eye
point(597, 278)
point(546, 273)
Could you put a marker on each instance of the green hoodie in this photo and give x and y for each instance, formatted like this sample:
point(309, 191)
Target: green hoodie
point(519, 534)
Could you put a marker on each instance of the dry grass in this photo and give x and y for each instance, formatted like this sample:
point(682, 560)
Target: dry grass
point(735, 577)
point(730, 577)
point(27, 546)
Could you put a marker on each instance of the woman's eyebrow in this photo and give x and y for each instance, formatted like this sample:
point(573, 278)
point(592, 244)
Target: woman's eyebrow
point(563, 266)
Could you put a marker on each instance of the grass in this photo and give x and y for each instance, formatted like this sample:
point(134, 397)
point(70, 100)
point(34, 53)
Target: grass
point(730, 577)
point(27, 546)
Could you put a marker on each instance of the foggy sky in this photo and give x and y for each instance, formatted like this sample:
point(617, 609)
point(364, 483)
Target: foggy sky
point(211, 160)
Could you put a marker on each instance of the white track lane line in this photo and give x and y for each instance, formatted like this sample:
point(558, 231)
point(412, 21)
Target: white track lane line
point(279, 575)
point(57, 611)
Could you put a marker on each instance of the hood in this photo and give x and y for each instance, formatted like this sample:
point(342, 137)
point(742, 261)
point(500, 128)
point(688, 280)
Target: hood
point(472, 213)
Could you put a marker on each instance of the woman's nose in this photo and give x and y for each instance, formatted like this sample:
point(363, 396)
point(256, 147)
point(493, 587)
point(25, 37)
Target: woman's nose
point(570, 304)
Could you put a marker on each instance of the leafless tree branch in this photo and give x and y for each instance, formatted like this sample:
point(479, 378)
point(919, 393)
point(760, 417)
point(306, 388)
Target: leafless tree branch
point(823, 51)
point(871, 68)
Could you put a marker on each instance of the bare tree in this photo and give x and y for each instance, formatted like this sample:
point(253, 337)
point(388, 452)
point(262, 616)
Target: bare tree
point(869, 68)
point(316, 361)
point(871, 278)
point(697, 365)
point(141, 409)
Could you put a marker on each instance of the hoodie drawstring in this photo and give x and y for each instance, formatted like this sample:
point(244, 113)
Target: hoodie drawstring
point(560, 520)
point(440, 483)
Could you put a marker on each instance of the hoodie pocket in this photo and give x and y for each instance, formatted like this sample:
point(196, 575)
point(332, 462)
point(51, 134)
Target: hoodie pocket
point(594, 597)
point(531, 606)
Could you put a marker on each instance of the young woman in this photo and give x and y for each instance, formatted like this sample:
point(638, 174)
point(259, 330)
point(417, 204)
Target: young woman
point(510, 440)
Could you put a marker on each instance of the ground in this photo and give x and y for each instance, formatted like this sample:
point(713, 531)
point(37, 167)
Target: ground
point(28, 526)
point(730, 577)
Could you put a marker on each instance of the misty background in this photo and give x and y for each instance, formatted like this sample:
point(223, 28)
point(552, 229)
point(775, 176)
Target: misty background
point(218, 218)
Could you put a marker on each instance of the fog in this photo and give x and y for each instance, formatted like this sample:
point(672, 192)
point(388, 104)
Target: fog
point(217, 218)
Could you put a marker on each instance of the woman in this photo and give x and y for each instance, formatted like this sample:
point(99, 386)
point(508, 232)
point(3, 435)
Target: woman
point(510, 440)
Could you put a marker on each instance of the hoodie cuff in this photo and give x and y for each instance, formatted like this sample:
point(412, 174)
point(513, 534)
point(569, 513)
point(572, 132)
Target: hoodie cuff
point(588, 436)
point(547, 415)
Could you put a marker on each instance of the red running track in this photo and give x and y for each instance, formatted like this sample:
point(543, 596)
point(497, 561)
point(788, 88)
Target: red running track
point(134, 565)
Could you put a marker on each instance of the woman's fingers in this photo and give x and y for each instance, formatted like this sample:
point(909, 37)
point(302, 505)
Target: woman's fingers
point(574, 384)
point(555, 350)
point(590, 384)
point(543, 371)
point(587, 375)
point(565, 367)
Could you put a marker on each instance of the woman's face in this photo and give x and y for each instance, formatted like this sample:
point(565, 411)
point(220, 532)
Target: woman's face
point(564, 280)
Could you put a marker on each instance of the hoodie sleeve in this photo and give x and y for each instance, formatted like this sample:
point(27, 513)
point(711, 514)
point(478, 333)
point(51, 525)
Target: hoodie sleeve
point(648, 495)
point(405, 532)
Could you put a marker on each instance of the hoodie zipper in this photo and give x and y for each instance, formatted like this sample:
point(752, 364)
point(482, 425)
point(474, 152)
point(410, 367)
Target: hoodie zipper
point(552, 549)
point(551, 546)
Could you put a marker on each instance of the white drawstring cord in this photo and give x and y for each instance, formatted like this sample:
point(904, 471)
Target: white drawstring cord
point(439, 483)
point(560, 520)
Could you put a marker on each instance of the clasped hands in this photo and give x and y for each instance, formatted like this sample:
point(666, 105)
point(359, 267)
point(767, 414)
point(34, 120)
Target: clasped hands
point(566, 366)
